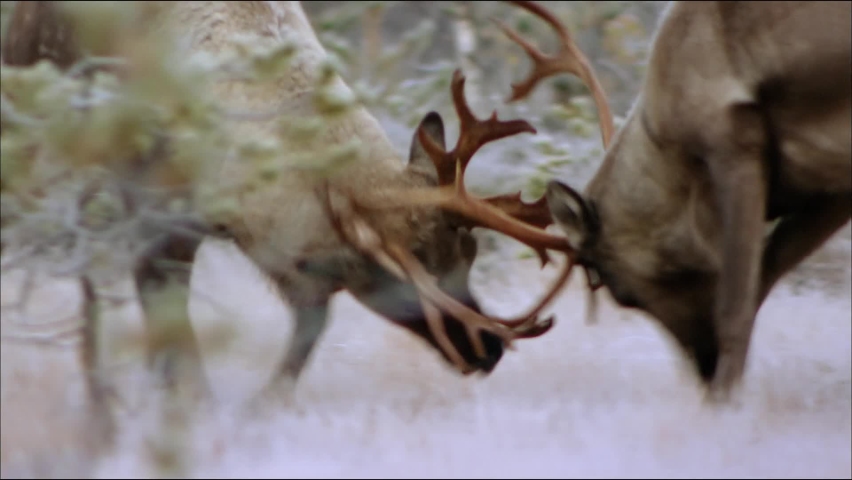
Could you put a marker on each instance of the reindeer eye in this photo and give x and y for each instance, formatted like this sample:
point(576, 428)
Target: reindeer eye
point(624, 298)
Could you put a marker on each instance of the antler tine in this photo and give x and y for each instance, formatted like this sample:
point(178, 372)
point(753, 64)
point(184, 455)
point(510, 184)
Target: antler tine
point(473, 134)
point(535, 214)
point(528, 325)
point(569, 59)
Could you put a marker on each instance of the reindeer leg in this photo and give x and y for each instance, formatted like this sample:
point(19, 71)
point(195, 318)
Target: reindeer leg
point(103, 431)
point(798, 235)
point(310, 324)
point(281, 389)
point(737, 171)
point(309, 298)
point(162, 279)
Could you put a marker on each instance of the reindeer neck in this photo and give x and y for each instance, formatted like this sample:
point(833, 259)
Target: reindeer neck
point(640, 176)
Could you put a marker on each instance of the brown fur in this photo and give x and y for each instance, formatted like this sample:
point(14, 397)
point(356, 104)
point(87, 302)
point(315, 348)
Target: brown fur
point(743, 118)
point(282, 226)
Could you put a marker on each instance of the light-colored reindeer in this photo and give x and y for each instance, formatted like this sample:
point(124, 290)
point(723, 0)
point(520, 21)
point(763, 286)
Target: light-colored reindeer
point(744, 118)
point(314, 235)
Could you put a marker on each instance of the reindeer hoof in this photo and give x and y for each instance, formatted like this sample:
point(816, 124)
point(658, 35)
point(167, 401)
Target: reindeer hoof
point(725, 389)
point(273, 399)
point(719, 399)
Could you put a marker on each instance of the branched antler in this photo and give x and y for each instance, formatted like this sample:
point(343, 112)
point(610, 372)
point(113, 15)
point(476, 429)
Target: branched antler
point(569, 59)
point(474, 133)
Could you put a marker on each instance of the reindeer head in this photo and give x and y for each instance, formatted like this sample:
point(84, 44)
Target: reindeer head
point(443, 244)
point(667, 278)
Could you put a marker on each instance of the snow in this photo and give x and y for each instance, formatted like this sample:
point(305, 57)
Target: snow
point(603, 400)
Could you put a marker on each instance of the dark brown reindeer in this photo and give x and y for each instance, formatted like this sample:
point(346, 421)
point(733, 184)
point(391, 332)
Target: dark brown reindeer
point(314, 237)
point(743, 119)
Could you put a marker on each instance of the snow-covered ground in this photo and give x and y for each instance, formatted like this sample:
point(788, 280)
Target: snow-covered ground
point(611, 399)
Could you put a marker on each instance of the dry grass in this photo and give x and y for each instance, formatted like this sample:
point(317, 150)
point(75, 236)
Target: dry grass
point(607, 400)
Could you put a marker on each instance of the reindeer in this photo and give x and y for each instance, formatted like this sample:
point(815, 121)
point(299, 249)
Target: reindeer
point(315, 235)
point(743, 119)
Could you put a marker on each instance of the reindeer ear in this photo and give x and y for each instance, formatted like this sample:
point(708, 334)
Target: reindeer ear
point(571, 212)
point(433, 125)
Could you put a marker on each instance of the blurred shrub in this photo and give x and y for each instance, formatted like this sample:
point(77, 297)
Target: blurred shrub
point(88, 129)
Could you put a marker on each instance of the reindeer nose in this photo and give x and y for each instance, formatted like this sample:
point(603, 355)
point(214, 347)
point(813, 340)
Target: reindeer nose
point(487, 364)
point(493, 354)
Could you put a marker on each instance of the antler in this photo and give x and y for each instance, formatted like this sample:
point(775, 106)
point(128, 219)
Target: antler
point(474, 133)
point(569, 59)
